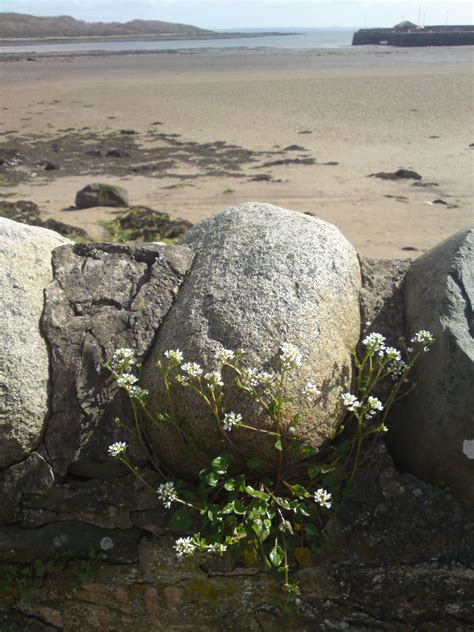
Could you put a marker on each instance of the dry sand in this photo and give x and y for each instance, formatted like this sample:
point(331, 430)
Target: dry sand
point(369, 109)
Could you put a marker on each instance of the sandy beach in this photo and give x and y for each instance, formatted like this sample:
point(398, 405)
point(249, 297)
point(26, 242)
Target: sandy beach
point(214, 128)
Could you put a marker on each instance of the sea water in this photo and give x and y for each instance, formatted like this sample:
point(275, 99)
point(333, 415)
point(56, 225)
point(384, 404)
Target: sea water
point(296, 38)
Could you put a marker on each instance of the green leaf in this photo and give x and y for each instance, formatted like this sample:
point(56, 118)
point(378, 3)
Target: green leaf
point(283, 502)
point(313, 471)
point(257, 494)
point(254, 462)
point(180, 521)
point(221, 463)
point(308, 451)
point(212, 479)
point(229, 485)
point(300, 491)
point(279, 445)
point(310, 530)
point(238, 507)
point(276, 555)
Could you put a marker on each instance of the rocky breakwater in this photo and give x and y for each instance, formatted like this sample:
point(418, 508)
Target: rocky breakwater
point(85, 546)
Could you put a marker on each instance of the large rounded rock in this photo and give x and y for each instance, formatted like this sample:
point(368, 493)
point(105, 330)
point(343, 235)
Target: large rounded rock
point(99, 194)
point(262, 275)
point(432, 435)
point(25, 271)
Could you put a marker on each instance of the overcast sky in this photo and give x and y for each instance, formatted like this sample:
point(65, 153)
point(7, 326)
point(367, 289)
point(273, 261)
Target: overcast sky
point(232, 14)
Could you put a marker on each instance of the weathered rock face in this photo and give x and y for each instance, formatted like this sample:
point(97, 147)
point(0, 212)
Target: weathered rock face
point(397, 545)
point(25, 270)
point(432, 435)
point(262, 276)
point(382, 303)
point(99, 194)
point(103, 297)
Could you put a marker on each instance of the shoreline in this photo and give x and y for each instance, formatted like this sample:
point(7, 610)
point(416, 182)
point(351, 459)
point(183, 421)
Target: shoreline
point(299, 129)
point(136, 38)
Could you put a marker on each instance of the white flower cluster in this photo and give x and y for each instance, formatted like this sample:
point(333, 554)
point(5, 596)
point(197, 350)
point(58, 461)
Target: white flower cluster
point(252, 378)
point(350, 401)
point(213, 379)
point(290, 356)
point(374, 405)
point(117, 448)
point(423, 337)
point(231, 420)
point(167, 494)
point(311, 391)
point(225, 355)
point(184, 547)
point(192, 369)
point(122, 360)
point(128, 382)
point(323, 498)
point(216, 548)
point(175, 355)
point(393, 354)
point(375, 343)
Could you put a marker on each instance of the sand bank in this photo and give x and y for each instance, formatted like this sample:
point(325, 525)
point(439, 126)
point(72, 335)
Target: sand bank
point(351, 111)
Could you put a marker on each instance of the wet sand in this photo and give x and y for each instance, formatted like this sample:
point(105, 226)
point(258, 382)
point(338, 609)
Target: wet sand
point(362, 110)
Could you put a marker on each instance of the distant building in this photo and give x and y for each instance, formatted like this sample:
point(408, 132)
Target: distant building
point(405, 27)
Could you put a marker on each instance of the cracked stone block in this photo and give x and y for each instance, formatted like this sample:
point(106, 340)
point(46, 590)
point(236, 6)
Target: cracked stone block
point(103, 297)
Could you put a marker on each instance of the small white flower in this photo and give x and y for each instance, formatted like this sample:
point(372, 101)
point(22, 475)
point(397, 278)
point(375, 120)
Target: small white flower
point(182, 379)
point(350, 401)
point(127, 380)
point(393, 354)
point(423, 337)
point(123, 359)
point(214, 378)
point(167, 494)
point(375, 343)
point(231, 420)
point(116, 449)
point(175, 355)
point(224, 355)
point(266, 379)
point(193, 369)
point(323, 498)
point(311, 391)
point(249, 378)
point(290, 356)
point(216, 548)
point(374, 405)
point(383, 428)
point(184, 547)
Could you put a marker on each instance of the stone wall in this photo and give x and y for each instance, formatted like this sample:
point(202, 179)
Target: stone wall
point(83, 546)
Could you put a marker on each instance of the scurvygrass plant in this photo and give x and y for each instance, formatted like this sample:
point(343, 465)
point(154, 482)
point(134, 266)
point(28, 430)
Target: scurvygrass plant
point(237, 506)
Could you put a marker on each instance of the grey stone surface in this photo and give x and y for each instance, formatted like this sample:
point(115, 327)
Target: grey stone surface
point(382, 304)
point(432, 434)
point(66, 540)
point(103, 297)
point(25, 270)
point(33, 475)
point(397, 557)
point(262, 276)
point(100, 194)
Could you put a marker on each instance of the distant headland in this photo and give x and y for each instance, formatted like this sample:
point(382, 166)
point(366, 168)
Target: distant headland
point(409, 34)
point(16, 27)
